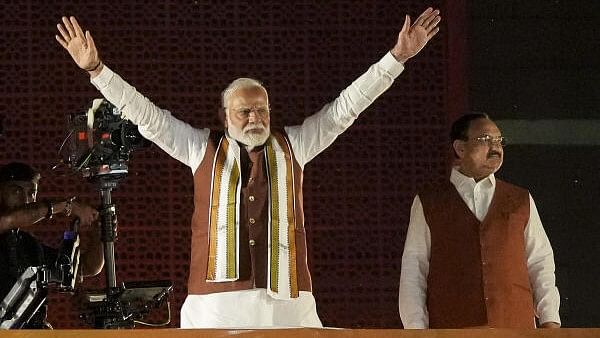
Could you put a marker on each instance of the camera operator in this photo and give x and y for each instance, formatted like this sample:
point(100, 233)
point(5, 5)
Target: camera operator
point(19, 211)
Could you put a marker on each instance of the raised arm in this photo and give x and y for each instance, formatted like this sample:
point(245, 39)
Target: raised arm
point(177, 138)
point(318, 131)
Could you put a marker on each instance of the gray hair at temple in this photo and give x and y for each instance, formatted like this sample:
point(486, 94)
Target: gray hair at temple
point(239, 83)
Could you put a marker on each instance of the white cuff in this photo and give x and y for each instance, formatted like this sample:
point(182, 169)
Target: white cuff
point(103, 79)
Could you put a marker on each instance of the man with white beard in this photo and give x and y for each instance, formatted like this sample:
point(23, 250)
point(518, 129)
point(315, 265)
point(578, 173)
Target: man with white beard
point(249, 261)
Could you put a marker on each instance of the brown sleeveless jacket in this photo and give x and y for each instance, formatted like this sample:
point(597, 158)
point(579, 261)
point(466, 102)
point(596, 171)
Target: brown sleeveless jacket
point(254, 210)
point(478, 270)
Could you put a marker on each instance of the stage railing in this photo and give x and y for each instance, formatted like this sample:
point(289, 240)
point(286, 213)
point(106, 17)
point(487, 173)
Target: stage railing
point(302, 333)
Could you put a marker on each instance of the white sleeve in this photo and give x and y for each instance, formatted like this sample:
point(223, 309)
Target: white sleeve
point(415, 269)
point(180, 140)
point(318, 131)
point(540, 264)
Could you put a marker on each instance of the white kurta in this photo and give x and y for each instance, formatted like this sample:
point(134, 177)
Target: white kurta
point(249, 308)
point(417, 249)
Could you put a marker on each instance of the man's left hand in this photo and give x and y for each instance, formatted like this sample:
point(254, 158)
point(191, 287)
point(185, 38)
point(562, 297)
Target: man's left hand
point(412, 39)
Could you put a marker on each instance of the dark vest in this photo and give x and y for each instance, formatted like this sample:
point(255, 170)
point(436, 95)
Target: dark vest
point(253, 237)
point(478, 270)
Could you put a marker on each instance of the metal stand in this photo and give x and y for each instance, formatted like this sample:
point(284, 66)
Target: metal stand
point(108, 220)
point(109, 312)
point(125, 305)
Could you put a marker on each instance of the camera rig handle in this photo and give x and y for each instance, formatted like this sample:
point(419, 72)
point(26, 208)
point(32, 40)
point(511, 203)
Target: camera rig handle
point(24, 299)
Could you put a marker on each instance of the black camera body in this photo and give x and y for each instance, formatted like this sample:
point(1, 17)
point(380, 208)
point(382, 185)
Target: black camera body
point(102, 141)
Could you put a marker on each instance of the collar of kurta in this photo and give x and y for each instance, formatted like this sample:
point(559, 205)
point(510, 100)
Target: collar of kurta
point(224, 217)
point(459, 179)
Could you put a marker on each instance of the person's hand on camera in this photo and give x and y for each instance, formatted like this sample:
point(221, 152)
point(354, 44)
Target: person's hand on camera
point(86, 214)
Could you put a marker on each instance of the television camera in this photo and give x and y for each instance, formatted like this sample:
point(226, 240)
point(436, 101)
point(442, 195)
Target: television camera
point(101, 143)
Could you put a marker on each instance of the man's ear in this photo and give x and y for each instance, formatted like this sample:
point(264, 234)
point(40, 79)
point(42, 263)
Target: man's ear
point(459, 148)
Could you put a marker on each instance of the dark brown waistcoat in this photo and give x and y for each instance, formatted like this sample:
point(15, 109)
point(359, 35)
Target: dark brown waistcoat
point(253, 236)
point(478, 270)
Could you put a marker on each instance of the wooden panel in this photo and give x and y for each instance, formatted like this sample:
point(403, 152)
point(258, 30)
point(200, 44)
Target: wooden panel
point(303, 333)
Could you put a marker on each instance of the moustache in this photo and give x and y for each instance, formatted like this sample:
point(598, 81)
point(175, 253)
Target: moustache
point(254, 126)
point(494, 153)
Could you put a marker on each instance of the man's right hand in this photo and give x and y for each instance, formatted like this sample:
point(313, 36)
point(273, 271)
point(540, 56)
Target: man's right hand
point(412, 38)
point(80, 46)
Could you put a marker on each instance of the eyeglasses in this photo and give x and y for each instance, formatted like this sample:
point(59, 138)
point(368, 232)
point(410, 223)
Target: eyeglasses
point(491, 140)
point(244, 112)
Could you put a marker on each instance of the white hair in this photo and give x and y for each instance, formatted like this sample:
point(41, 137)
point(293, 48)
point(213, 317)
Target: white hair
point(239, 83)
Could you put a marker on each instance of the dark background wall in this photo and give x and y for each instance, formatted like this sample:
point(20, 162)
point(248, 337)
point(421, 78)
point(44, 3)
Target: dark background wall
point(182, 54)
point(535, 67)
point(527, 60)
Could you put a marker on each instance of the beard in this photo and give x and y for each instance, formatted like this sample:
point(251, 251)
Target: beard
point(253, 134)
